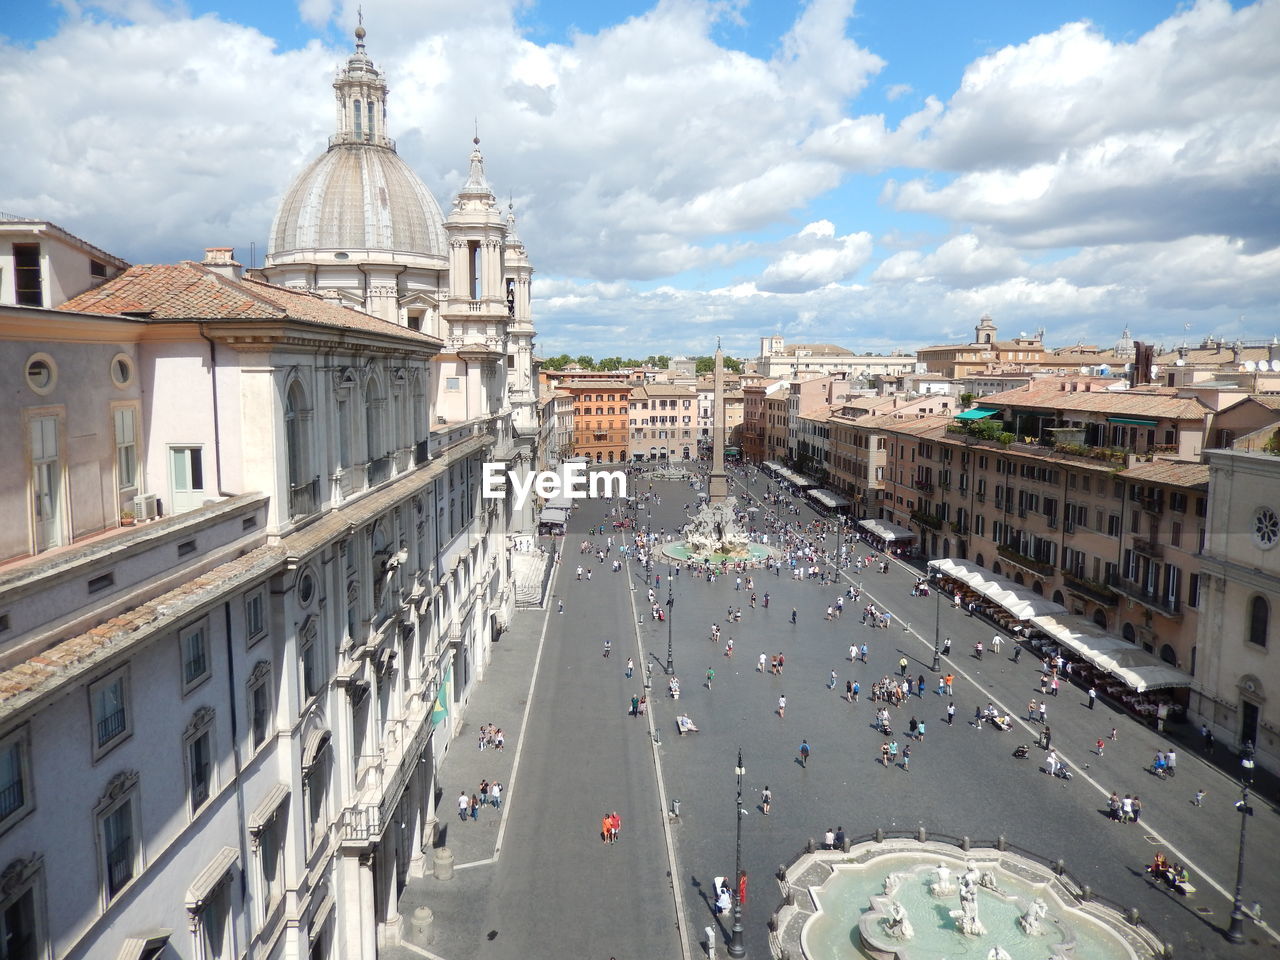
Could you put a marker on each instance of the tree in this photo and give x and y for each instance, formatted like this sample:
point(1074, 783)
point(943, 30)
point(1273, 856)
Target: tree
point(966, 400)
point(557, 363)
point(586, 362)
point(708, 364)
point(661, 361)
point(610, 363)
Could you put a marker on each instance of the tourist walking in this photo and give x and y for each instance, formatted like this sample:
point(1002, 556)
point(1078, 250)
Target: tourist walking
point(804, 753)
point(630, 667)
point(1093, 696)
point(782, 706)
point(951, 713)
point(766, 800)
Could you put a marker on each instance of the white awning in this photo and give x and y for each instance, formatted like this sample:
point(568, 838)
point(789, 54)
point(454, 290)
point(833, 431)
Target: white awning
point(886, 530)
point(559, 503)
point(1019, 602)
point(554, 515)
point(1137, 668)
point(828, 499)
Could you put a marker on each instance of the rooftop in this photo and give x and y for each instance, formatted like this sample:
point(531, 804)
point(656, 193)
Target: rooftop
point(190, 291)
point(1091, 395)
point(1180, 473)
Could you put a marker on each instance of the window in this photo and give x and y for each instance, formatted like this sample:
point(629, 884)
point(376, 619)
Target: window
point(255, 617)
point(271, 862)
point(118, 834)
point(109, 700)
point(20, 934)
point(42, 373)
point(122, 370)
point(1259, 620)
point(260, 703)
point(315, 785)
point(213, 918)
point(453, 383)
point(126, 448)
point(46, 482)
point(1193, 590)
point(1113, 525)
point(188, 471)
point(28, 290)
point(312, 668)
point(294, 436)
point(195, 657)
point(15, 777)
point(199, 747)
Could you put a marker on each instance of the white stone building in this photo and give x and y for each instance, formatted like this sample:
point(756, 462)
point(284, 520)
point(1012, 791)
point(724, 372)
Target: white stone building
point(1237, 681)
point(825, 359)
point(251, 584)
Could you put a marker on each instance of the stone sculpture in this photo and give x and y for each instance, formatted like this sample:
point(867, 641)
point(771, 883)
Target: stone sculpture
point(897, 925)
point(942, 885)
point(1031, 921)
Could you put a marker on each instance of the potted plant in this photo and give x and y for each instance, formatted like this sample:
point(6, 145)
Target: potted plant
point(127, 518)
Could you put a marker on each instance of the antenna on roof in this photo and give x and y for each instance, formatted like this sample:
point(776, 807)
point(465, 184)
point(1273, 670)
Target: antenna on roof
point(253, 254)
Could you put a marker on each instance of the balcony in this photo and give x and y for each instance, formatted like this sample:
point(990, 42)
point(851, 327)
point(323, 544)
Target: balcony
point(1035, 566)
point(1092, 589)
point(304, 498)
point(926, 520)
point(1151, 599)
point(1148, 548)
point(378, 471)
point(924, 486)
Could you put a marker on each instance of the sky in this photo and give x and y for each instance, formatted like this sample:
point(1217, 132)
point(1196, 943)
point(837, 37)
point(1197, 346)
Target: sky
point(872, 173)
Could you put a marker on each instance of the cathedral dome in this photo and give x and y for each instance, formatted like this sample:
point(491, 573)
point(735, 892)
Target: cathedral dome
point(358, 197)
point(355, 197)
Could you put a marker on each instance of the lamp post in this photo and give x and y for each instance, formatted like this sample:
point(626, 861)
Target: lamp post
point(671, 605)
point(1235, 933)
point(737, 947)
point(937, 623)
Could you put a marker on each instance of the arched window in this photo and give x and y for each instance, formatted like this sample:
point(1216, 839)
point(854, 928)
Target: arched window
point(1038, 588)
point(1259, 620)
point(356, 116)
point(1100, 618)
point(979, 561)
point(299, 462)
point(1167, 654)
point(1129, 633)
point(1059, 598)
point(419, 427)
point(995, 568)
point(374, 435)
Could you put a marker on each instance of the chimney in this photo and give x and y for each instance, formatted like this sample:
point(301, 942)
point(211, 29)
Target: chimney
point(222, 261)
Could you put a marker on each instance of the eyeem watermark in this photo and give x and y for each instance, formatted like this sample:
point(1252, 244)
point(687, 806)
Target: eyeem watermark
point(572, 481)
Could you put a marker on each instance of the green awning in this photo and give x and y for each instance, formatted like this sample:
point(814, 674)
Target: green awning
point(978, 413)
point(1134, 421)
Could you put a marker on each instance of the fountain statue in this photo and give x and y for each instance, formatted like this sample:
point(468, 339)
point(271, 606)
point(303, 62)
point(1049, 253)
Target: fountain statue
point(942, 885)
point(966, 917)
point(714, 529)
point(998, 953)
point(1032, 919)
point(891, 883)
point(896, 924)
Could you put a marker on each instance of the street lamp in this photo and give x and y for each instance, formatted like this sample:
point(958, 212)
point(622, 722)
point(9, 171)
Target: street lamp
point(671, 605)
point(737, 947)
point(937, 622)
point(1235, 933)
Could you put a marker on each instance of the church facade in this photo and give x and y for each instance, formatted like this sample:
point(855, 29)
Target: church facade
point(251, 584)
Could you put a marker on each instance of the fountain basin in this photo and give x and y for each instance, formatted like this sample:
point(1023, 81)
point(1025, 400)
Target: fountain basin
point(844, 911)
point(749, 552)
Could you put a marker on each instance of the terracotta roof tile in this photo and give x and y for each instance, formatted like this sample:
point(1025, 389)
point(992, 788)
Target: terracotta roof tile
point(1048, 393)
point(1179, 473)
point(190, 291)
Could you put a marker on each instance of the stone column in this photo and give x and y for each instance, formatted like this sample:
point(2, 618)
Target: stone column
point(718, 484)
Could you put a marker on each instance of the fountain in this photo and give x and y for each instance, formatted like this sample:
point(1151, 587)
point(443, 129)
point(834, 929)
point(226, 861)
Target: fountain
point(714, 535)
point(912, 900)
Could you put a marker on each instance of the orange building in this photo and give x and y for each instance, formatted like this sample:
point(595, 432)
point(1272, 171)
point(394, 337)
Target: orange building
point(600, 414)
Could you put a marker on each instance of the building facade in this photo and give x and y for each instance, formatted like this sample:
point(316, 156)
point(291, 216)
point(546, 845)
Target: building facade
point(1234, 691)
point(600, 416)
point(662, 423)
point(251, 591)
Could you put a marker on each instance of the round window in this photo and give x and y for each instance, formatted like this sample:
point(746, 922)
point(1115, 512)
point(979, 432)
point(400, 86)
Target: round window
point(1266, 527)
point(342, 256)
point(42, 373)
point(122, 370)
point(306, 588)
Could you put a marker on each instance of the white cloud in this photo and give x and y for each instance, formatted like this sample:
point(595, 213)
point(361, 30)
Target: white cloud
point(816, 257)
point(898, 91)
point(961, 259)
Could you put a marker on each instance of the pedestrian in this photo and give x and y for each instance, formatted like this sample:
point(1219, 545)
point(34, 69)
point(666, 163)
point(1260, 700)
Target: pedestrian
point(1047, 737)
point(630, 667)
point(782, 706)
point(920, 686)
point(793, 614)
point(853, 652)
point(1044, 711)
point(831, 683)
point(1054, 686)
point(463, 805)
point(559, 605)
point(840, 838)
point(475, 808)
point(1113, 733)
point(829, 839)
point(902, 666)
point(711, 675)
point(1101, 744)
point(804, 753)
point(495, 795)
point(1171, 763)
point(606, 829)
point(484, 793)
point(782, 662)
point(920, 732)
point(884, 754)
point(848, 690)
point(607, 647)
point(856, 689)
point(760, 662)
point(863, 651)
point(1093, 696)
point(1137, 808)
point(912, 727)
point(1199, 798)
point(906, 758)
point(946, 647)
point(948, 680)
point(951, 713)
point(635, 705)
point(893, 751)
point(615, 827)
point(766, 800)
point(942, 686)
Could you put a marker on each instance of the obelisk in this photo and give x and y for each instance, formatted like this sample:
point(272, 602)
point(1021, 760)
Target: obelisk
point(718, 482)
